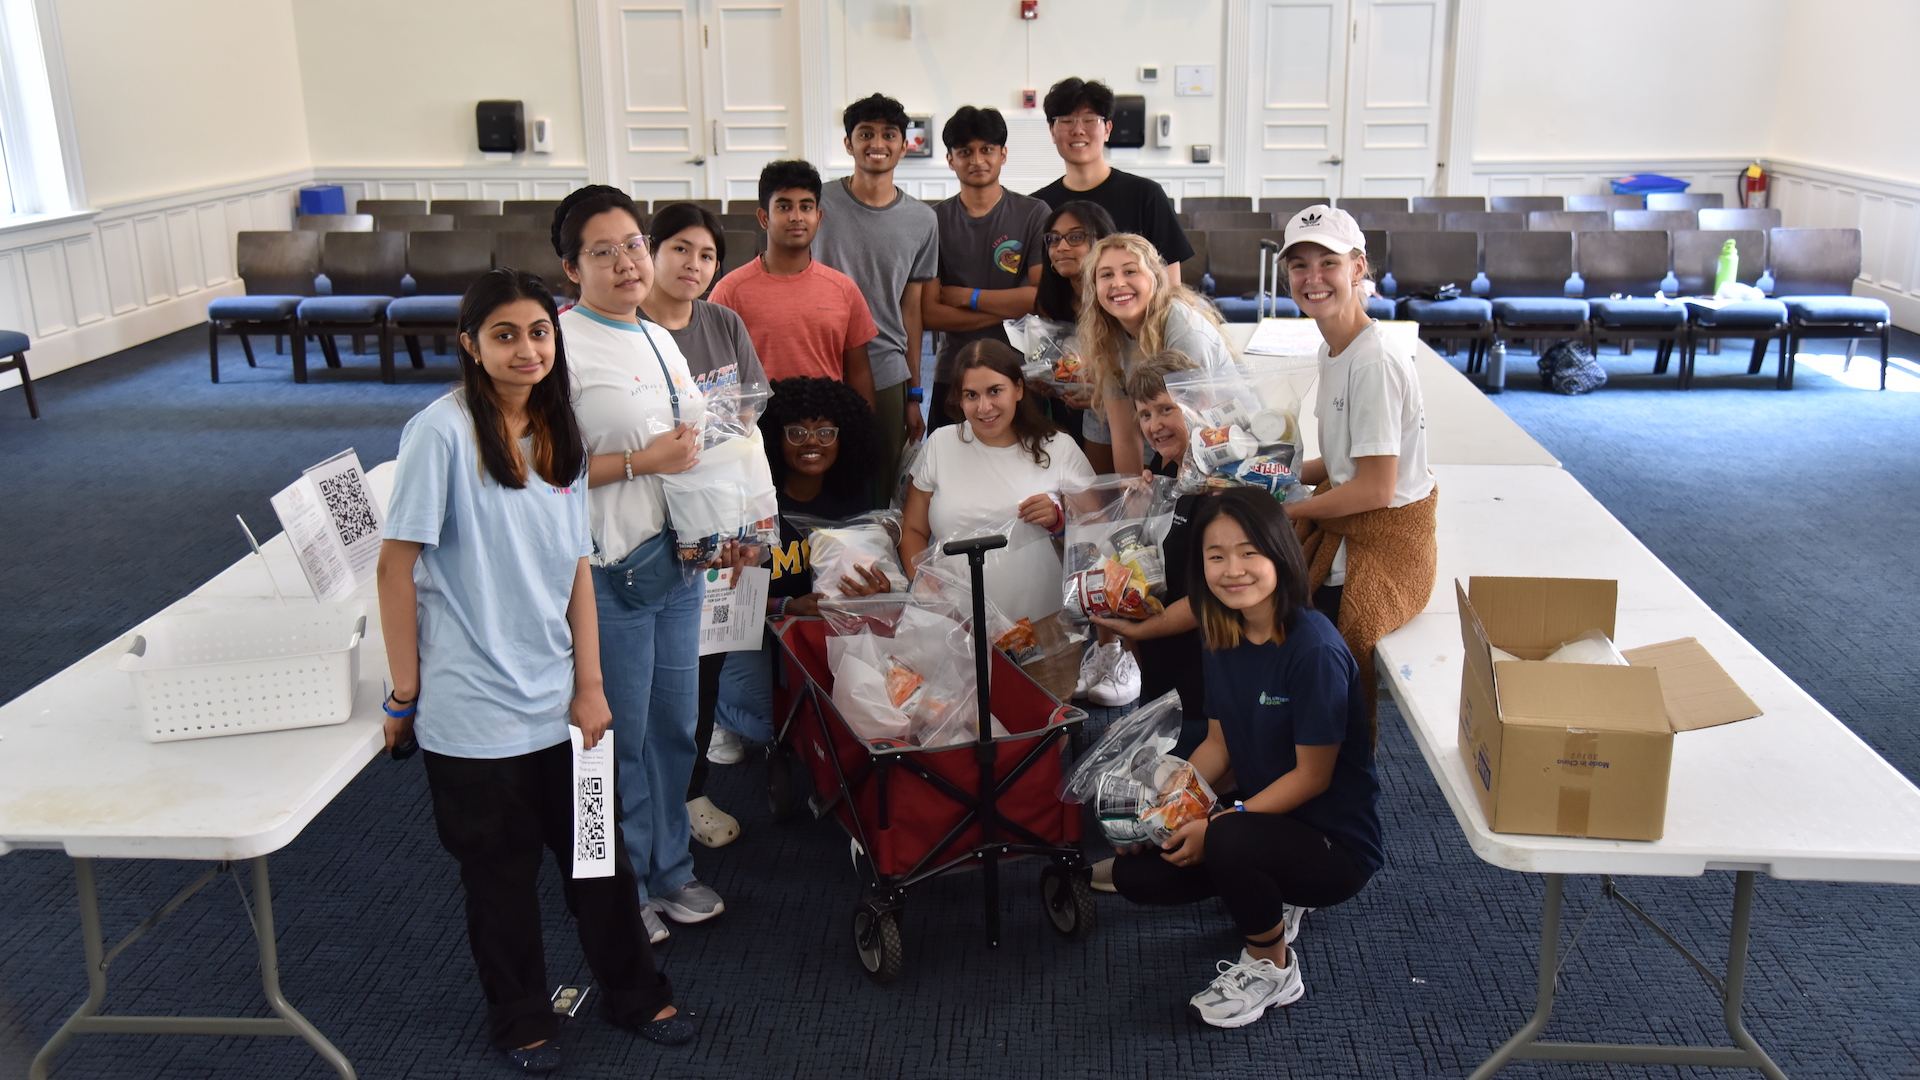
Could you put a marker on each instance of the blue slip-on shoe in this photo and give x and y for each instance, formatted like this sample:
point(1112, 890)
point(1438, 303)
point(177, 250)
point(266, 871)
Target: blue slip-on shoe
point(536, 1059)
point(675, 1030)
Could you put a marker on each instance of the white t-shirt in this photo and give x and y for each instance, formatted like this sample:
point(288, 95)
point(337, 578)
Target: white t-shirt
point(1369, 405)
point(621, 394)
point(977, 488)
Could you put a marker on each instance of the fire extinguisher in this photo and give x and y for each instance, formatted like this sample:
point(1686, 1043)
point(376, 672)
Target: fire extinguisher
point(1753, 188)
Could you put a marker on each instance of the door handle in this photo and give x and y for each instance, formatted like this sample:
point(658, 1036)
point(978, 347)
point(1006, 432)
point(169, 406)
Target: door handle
point(1334, 160)
point(716, 136)
point(701, 160)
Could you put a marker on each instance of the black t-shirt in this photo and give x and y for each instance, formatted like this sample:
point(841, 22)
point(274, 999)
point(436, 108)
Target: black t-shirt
point(1304, 691)
point(1137, 204)
point(1174, 663)
point(792, 569)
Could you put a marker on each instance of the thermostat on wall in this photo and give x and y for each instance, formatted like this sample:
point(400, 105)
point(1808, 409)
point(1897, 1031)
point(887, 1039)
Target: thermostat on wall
point(1202, 153)
point(1150, 73)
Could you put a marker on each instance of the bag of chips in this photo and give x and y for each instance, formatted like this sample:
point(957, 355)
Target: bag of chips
point(1243, 427)
point(1114, 567)
point(1050, 352)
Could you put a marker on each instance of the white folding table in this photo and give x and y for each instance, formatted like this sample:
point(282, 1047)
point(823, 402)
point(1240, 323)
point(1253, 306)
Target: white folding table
point(79, 776)
point(1793, 793)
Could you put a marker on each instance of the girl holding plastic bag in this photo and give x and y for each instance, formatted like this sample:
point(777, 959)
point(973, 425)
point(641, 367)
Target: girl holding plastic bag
point(1131, 308)
point(1288, 723)
point(494, 650)
point(1000, 472)
point(1369, 532)
point(641, 413)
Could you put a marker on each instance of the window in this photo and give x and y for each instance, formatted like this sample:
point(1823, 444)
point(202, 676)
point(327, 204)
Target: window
point(40, 173)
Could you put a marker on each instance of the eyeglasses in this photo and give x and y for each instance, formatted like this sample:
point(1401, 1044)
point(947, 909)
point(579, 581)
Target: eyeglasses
point(1076, 238)
point(1079, 123)
point(799, 436)
point(635, 249)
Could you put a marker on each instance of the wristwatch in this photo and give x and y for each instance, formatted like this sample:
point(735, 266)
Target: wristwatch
point(914, 393)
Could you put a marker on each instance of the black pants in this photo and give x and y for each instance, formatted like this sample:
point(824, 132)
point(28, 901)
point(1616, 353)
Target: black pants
point(1326, 601)
point(1254, 862)
point(710, 666)
point(937, 407)
point(494, 815)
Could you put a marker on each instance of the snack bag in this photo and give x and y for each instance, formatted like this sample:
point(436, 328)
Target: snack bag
point(1114, 567)
point(1243, 427)
point(1052, 356)
point(1180, 796)
point(728, 495)
point(835, 549)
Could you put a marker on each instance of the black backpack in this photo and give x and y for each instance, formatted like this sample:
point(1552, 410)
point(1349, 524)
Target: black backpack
point(1568, 368)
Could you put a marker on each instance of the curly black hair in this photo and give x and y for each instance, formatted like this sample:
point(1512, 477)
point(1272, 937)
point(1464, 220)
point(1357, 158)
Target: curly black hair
point(806, 398)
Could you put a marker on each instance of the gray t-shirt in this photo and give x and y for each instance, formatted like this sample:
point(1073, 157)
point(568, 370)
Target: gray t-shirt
point(881, 249)
point(992, 251)
point(717, 348)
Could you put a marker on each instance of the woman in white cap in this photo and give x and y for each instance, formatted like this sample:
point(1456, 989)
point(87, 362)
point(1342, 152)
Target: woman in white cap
point(1368, 531)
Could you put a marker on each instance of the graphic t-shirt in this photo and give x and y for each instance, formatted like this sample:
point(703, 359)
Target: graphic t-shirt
point(792, 561)
point(1137, 205)
point(718, 349)
point(801, 324)
point(493, 583)
point(992, 251)
point(1303, 692)
point(882, 248)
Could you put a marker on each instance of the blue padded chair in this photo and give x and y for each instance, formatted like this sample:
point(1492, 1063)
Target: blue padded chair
point(1529, 272)
point(1621, 271)
point(1422, 261)
point(442, 265)
point(365, 269)
point(278, 269)
point(14, 346)
point(1696, 259)
point(1813, 272)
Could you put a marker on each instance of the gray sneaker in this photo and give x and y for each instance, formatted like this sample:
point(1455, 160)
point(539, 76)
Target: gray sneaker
point(690, 903)
point(1245, 989)
point(657, 931)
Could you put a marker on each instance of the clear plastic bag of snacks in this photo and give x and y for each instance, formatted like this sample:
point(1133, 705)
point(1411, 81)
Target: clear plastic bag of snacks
point(1243, 427)
point(902, 673)
point(1046, 648)
point(1050, 353)
point(840, 549)
point(1140, 793)
point(1113, 566)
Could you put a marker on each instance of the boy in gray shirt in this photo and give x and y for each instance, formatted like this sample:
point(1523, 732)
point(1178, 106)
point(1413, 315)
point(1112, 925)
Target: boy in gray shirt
point(990, 248)
point(889, 243)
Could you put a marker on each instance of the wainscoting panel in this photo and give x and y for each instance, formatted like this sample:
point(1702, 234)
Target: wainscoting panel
point(479, 183)
point(1887, 213)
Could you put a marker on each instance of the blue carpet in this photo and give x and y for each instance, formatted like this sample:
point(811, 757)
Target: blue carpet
point(1788, 512)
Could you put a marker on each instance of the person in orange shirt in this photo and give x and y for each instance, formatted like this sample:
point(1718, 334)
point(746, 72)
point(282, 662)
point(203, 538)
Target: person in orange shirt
point(806, 319)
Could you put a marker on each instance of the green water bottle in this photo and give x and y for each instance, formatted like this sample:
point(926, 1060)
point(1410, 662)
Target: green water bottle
point(1729, 269)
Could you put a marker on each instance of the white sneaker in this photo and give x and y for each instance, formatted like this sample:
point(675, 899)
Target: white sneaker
point(712, 826)
point(1245, 990)
point(726, 749)
point(1102, 876)
point(657, 931)
point(1093, 667)
point(1121, 683)
point(1290, 917)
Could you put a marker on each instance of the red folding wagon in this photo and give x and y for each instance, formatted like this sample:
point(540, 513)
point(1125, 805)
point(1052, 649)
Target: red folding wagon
point(915, 813)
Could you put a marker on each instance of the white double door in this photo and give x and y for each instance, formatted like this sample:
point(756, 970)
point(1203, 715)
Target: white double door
point(1347, 97)
point(700, 94)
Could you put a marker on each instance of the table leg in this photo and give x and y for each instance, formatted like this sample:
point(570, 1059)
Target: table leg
point(87, 1021)
point(1737, 977)
point(1543, 998)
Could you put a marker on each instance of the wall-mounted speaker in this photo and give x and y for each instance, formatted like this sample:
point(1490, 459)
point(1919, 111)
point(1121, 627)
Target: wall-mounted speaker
point(1129, 121)
point(502, 126)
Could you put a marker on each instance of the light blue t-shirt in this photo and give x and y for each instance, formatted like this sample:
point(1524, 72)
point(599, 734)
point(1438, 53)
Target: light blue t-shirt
point(496, 652)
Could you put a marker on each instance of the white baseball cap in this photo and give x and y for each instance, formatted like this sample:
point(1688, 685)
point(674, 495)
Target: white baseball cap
point(1335, 230)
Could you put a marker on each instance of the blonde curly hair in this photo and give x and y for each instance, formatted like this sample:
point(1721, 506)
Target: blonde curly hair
point(1102, 338)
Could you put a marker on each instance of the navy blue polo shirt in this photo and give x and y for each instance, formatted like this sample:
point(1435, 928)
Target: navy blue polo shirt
point(1303, 692)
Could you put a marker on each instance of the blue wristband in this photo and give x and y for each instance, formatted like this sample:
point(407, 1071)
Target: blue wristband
point(412, 707)
point(975, 302)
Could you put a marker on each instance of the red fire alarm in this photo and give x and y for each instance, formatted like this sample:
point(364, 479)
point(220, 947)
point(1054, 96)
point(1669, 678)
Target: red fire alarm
point(1029, 9)
point(1029, 99)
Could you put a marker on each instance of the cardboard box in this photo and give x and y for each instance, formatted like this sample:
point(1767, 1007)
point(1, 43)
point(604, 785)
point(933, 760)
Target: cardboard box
point(1576, 749)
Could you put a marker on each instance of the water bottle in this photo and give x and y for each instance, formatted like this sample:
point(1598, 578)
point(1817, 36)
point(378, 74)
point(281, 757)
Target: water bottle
point(1729, 269)
point(1497, 366)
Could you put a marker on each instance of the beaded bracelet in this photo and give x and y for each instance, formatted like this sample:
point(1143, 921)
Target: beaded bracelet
point(629, 461)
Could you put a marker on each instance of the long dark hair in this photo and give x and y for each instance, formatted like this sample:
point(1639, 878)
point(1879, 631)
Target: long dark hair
point(581, 206)
point(1055, 296)
point(676, 218)
point(850, 478)
point(559, 450)
point(1271, 533)
point(1029, 423)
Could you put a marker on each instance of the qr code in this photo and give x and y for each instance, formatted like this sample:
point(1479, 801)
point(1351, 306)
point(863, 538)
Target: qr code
point(590, 837)
point(346, 499)
point(722, 614)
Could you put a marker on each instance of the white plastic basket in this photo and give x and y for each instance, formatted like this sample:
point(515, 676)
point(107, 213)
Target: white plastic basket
point(228, 673)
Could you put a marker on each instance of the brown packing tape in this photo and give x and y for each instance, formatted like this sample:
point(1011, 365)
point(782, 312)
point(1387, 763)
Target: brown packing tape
point(1575, 805)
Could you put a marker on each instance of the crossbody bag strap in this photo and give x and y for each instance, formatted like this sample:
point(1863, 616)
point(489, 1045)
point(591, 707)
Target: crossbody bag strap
point(673, 391)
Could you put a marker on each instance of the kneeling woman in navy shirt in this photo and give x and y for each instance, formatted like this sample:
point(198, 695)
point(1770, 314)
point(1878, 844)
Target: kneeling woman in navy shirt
point(1288, 728)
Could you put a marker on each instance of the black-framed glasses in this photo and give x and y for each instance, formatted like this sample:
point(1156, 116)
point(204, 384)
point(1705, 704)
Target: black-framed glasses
point(799, 435)
point(634, 248)
point(1076, 238)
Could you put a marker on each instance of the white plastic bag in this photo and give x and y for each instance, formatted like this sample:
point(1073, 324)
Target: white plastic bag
point(1591, 647)
point(903, 674)
point(728, 495)
point(1114, 567)
point(839, 549)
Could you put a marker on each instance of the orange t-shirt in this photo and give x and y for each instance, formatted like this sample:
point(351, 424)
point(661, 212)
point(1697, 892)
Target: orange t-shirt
point(802, 323)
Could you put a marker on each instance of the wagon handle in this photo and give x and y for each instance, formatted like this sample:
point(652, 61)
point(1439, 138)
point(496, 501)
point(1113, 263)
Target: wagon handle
point(976, 550)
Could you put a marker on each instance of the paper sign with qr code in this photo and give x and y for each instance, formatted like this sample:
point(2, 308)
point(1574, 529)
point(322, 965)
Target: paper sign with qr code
point(593, 806)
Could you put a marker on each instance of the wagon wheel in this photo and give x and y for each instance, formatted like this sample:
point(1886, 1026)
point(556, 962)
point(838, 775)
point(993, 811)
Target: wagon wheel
point(876, 938)
point(780, 785)
point(1068, 898)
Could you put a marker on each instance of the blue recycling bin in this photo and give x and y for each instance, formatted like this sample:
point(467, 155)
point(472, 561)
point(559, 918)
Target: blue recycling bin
point(1648, 183)
point(323, 199)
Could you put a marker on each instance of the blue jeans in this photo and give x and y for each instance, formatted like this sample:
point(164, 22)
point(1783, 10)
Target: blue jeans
point(746, 693)
point(649, 659)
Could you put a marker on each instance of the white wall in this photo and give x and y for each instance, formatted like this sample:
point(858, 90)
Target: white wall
point(1848, 88)
point(182, 96)
point(980, 52)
